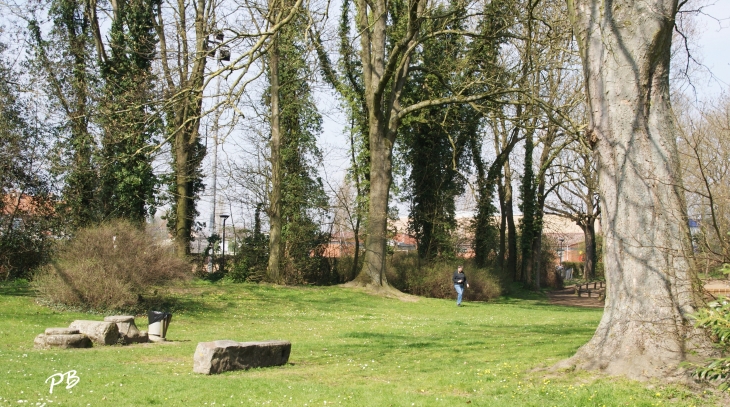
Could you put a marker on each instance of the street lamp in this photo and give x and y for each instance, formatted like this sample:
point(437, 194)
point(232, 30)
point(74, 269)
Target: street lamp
point(223, 243)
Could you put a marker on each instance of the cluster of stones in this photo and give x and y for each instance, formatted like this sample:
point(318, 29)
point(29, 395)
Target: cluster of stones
point(225, 355)
point(82, 334)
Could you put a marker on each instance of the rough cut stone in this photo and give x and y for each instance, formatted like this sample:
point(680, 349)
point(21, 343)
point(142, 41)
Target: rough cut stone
point(128, 332)
point(226, 355)
point(100, 332)
point(77, 340)
point(61, 331)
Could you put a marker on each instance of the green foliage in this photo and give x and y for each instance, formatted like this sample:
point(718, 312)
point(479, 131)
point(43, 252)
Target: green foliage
point(716, 319)
point(108, 268)
point(252, 255)
point(725, 269)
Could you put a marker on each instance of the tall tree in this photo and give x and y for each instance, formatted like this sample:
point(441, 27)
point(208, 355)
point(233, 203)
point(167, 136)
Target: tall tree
point(127, 118)
point(296, 194)
point(434, 143)
point(183, 54)
point(347, 80)
point(645, 330)
point(389, 33)
point(66, 62)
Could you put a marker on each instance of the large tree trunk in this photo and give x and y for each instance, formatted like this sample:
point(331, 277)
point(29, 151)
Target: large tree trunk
point(373, 271)
point(645, 330)
point(275, 222)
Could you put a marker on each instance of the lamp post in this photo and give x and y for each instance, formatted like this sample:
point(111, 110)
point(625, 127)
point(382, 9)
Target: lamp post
point(223, 243)
point(216, 41)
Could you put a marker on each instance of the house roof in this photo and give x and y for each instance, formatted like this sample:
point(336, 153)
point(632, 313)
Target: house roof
point(24, 204)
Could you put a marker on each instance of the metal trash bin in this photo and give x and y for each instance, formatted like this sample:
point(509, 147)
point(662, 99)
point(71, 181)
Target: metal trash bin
point(158, 323)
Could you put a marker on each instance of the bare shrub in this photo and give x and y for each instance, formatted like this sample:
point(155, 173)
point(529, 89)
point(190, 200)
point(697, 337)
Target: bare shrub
point(408, 274)
point(108, 267)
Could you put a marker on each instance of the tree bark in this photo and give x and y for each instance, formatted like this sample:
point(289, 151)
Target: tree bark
point(511, 227)
point(373, 271)
point(645, 330)
point(275, 222)
point(589, 236)
point(502, 224)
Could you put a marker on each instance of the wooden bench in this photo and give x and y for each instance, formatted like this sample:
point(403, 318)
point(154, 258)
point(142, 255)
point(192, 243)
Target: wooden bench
point(594, 287)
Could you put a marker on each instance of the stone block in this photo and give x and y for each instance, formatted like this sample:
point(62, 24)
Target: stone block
point(100, 332)
point(226, 355)
point(61, 331)
point(128, 332)
point(77, 340)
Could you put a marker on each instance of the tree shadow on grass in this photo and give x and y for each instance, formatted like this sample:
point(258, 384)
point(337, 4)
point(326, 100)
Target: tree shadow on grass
point(16, 288)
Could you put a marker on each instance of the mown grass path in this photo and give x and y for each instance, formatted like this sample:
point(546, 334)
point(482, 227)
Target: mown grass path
point(348, 348)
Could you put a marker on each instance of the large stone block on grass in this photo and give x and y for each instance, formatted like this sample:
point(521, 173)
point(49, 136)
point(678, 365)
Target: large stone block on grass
point(225, 355)
point(100, 332)
point(76, 340)
point(128, 331)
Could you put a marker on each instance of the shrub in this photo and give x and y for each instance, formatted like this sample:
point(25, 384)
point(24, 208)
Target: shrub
point(108, 267)
point(716, 319)
point(409, 274)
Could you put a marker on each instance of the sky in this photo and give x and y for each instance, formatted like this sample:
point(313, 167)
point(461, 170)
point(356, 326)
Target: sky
point(713, 49)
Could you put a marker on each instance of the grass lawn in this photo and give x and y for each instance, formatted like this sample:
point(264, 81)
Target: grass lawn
point(348, 348)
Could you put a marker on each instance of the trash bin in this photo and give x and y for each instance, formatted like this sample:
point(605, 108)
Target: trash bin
point(158, 323)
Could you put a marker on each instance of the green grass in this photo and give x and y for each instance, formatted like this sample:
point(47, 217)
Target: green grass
point(348, 348)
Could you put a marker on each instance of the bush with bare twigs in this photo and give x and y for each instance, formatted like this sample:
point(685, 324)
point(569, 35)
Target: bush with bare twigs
point(406, 273)
point(108, 267)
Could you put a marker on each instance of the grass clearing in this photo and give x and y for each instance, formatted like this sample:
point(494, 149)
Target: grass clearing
point(348, 348)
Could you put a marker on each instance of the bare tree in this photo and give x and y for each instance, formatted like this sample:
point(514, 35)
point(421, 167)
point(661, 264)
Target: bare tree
point(575, 197)
point(185, 30)
point(704, 146)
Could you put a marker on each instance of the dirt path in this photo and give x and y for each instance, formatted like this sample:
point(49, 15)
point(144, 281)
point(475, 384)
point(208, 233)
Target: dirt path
point(567, 297)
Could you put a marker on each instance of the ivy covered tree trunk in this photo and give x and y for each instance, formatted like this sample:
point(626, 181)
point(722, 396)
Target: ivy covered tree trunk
point(126, 176)
point(527, 226)
point(645, 330)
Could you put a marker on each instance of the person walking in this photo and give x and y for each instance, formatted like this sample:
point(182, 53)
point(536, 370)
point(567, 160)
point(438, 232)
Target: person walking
point(459, 282)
